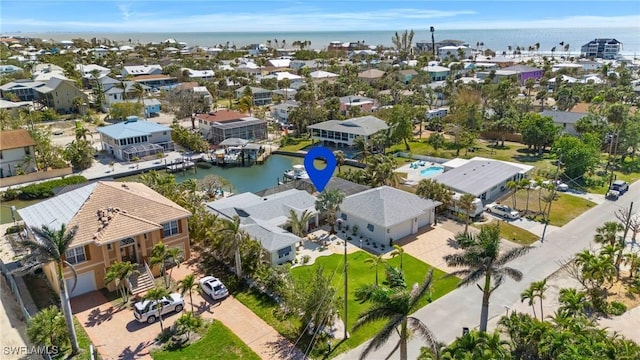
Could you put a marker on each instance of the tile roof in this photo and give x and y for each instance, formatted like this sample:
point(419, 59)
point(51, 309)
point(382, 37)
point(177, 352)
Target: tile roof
point(13, 139)
point(105, 211)
point(220, 116)
point(386, 206)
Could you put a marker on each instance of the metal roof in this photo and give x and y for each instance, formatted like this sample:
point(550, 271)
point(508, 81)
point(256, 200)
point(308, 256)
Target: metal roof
point(477, 176)
point(366, 125)
point(564, 117)
point(127, 129)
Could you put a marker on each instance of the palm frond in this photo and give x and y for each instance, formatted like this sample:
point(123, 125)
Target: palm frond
point(376, 313)
point(395, 348)
point(473, 276)
point(383, 335)
point(421, 329)
point(512, 254)
point(515, 274)
point(424, 287)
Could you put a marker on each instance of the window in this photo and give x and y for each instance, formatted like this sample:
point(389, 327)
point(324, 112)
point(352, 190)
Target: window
point(76, 255)
point(370, 227)
point(170, 228)
point(27, 150)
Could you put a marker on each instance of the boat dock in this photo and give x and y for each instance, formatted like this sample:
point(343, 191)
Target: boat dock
point(180, 166)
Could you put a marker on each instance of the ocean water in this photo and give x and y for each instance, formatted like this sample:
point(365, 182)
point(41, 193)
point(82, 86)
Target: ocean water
point(498, 40)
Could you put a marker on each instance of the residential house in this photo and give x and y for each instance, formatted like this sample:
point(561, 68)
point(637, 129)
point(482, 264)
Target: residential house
point(17, 153)
point(601, 48)
point(199, 74)
point(321, 75)
point(116, 221)
point(343, 132)
point(135, 138)
point(405, 76)
point(257, 49)
point(437, 72)
point(498, 75)
point(562, 79)
point(589, 65)
point(384, 214)
point(43, 72)
point(483, 178)
point(281, 111)
point(288, 94)
point(5, 104)
point(156, 81)
point(459, 52)
point(371, 75)
point(265, 218)
point(151, 106)
point(426, 45)
point(282, 75)
point(59, 94)
point(23, 90)
point(283, 63)
point(224, 124)
point(88, 70)
point(366, 105)
point(565, 120)
point(138, 70)
point(260, 96)
point(525, 72)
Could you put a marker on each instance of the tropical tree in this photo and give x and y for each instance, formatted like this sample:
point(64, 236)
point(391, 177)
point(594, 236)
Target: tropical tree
point(513, 186)
point(375, 261)
point(119, 272)
point(234, 236)
point(394, 303)
point(50, 245)
point(189, 322)
point(138, 91)
point(402, 43)
point(340, 158)
point(80, 154)
point(157, 294)
point(398, 251)
point(299, 224)
point(529, 295)
point(187, 284)
point(433, 190)
point(482, 258)
point(572, 302)
point(436, 140)
point(328, 204)
point(539, 288)
point(608, 233)
point(165, 256)
point(465, 203)
point(48, 328)
point(478, 345)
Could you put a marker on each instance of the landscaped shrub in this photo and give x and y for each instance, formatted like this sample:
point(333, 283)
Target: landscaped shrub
point(10, 194)
point(617, 308)
point(15, 229)
point(305, 259)
point(45, 189)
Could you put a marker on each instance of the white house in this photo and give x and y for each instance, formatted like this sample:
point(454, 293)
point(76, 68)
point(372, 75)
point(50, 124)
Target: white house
point(323, 75)
point(384, 214)
point(281, 111)
point(137, 70)
point(200, 74)
point(132, 138)
point(17, 151)
point(87, 70)
point(342, 133)
point(265, 218)
point(455, 51)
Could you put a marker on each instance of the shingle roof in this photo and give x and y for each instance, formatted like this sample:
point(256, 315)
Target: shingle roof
point(386, 206)
point(13, 139)
point(521, 68)
point(477, 176)
point(564, 117)
point(366, 125)
point(371, 74)
point(105, 211)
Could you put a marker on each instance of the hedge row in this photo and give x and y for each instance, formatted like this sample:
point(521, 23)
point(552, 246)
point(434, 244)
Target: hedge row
point(44, 190)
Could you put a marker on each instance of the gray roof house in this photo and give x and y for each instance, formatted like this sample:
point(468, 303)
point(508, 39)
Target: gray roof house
point(265, 218)
point(485, 179)
point(565, 120)
point(384, 214)
point(343, 132)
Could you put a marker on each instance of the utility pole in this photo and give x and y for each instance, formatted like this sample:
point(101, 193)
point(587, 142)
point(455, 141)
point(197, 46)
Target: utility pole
point(628, 222)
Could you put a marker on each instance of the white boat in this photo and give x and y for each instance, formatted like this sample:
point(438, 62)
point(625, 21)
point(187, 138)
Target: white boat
point(298, 172)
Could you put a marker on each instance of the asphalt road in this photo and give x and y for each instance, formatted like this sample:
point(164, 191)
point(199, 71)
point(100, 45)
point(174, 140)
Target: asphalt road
point(461, 308)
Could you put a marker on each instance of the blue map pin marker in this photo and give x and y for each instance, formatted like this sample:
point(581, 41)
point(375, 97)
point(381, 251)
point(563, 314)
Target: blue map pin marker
point(320, 178)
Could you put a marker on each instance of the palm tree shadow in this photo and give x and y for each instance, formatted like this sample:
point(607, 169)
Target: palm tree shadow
point(97, 316)
point(453, 243)
point(128, 354)
point(205, 306)
point(285, 349)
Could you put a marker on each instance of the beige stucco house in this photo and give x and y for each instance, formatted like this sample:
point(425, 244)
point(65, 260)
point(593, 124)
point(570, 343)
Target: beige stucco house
point(17, 150)
point(117, 221)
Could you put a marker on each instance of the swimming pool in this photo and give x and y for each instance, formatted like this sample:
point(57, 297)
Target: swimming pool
point(431, 171)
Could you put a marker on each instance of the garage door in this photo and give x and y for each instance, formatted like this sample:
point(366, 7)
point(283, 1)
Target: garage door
point(86, 283)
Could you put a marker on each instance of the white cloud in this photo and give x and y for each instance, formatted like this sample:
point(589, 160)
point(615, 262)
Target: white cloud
point(631, 21)
point(125, 11)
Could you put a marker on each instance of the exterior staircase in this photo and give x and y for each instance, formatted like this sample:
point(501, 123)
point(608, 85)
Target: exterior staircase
point(141, 282)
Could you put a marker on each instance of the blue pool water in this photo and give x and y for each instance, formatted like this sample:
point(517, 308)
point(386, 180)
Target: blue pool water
point(431, 171)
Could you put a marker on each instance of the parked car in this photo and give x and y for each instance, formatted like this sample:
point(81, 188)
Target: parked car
point(612, 195)
point(213, 287)
point(149, 310)
point(620, 186)
point(562, 187)
point(502, 210)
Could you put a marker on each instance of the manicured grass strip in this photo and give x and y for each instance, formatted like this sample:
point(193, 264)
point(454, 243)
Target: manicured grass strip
point(295, 147)
point(564, 209)
point(514, 234)
point(218, 343)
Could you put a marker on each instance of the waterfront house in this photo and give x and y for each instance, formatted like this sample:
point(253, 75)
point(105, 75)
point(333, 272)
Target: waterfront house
point(59, 94)
point(484, 178)
point(260, 96)
point(601, 48)
point(437, 72)
point(371, 75)
point(17, 153)
point(135, 138)
point(343, 132)
point(224, 124)
point(116, 221)
point(426, 45)
point(138, 70)
point(384, 214)
point(265, 218)
point(281, 111)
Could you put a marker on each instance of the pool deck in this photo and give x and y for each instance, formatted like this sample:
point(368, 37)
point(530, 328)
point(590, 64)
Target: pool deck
point(413, 174)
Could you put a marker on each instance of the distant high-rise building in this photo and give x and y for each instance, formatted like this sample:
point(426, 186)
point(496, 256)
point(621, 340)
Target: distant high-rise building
point(601, 48)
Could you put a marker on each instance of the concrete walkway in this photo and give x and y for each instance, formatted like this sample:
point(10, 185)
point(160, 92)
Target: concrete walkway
point(461, 308)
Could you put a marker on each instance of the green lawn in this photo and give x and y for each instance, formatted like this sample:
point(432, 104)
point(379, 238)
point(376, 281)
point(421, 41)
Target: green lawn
point(5, 210)
point(564, 209)
point(359, 274)
point(296, 147)
point(514, 234)
point(218, 343)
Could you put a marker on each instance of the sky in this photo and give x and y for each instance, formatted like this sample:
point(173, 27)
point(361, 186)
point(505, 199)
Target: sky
point(308, 15)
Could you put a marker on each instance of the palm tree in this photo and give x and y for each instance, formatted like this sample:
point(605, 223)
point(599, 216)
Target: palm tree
point(572, 302)
point(328, 204)
point(340, 158)
point(175, 258)
point(513, 186)
point(50, 245)
point(299, 224)
point(119, 272)
point(157, 294)
point(234, 235)
point(360, 144)
point(163, 256)
point(529, 295)
point(375, 261)
point(138, 91)
point(465, 203)
point(394, 303)
point(187, 284)
point(398, 251)
point(608, 233)
point(526, 184)
point(539, 288)
point(482, 258)
point(189, 322)
point(47, 328)
point(431, 189)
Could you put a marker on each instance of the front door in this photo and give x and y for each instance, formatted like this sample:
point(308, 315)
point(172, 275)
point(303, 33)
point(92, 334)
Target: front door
point(128, 250)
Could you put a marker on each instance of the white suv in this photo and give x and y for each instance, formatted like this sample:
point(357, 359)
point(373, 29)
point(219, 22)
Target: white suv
point(149, 311)
point(503, 211)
